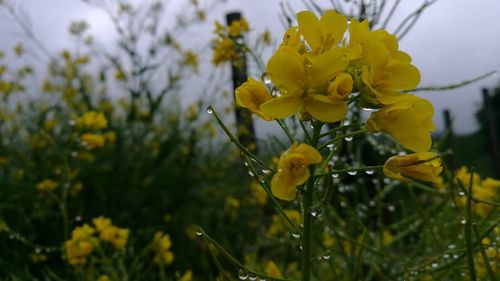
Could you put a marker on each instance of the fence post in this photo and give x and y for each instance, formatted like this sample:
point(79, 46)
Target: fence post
point(491, 131)
point(244, 122)
point(452, 158)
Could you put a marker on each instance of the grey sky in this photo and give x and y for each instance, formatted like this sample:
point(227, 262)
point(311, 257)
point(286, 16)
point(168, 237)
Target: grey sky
point(454, 40)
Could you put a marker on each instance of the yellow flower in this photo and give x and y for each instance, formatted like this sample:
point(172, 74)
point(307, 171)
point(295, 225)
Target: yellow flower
point(161, 247)
point(322, 34)
point(187, 276)
point(280, 226)
point(93, 120)
point(103, 278)
point(92, 140)
point(293, 170)
point(272, 270)
point(384, 77)
point(80, 246)
point(408, 121)
point(190, 58)
point(110, 233)
point(340, 88)
point(251, 95)
point(238, 27)
point(303, 84)
point(258, 193)
point(47, 185)
point(421, 166)
point(224, 50)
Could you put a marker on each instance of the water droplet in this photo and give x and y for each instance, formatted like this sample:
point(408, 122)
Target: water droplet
point(391, 208)
point(372, 203)
point(266, 171)
point(370, 172)
point(435, 265)
point(463, 221)
point(73, 154)
point(368, 109)
point(316, 212)
point(335, 176)
point(210, 110)
point(456, 256)
point(330, 145)
point(461, 193)
point(266, 79)
point(198, 233)
point(343, 204)
point(446, 256)
point(352, 173)
point(242, 274)
point(296, 235)
point(78, 218)
point(72, 122)
point(252, 277)
point(348, 138)
point(452, 246)
point(326, 256)
point(250, 173)
point(38, 250)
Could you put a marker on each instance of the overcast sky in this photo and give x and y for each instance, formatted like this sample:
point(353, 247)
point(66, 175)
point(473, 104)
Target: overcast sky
point(454, 40)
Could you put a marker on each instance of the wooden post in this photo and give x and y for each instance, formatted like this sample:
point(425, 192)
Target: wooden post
point(490, 123)
point(452, 158)
point(244, 122)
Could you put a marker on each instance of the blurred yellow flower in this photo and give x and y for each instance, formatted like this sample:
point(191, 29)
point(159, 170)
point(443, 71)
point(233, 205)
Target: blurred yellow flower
point(238, 27)
point(258, 193)
point(90, 140)
point(93, 120)
point(187, 276)
point(103, 278)
point(251, 95)
point(190, 58)
point(303, 83)
point(293, 170)
point(47, 185)
point(81, 245)
point(161, 247)
point(279, 225)
point(272, 270)
point(110, 233)
point(408, 121)
point(420, 166)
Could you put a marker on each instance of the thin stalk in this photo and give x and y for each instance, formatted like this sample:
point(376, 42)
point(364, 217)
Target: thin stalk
point(468, 232)
point(483, 254)
point(338, 129)
point(286, 130)
point(362, 131)
point(366, 168)
point(233, 139)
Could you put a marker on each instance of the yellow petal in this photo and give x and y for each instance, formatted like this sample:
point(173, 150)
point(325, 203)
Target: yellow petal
point(282, 186)
point(325, 66)
point(333, 24)
point(324, 109)
point(252, 94)
point(403, 76)
point(281, 107)
point(310, 28)
point(287, 71)
point(359, 32)
point(308, 153)
point(341, 87)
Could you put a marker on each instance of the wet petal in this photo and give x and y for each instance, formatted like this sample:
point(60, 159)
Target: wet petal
point(324, 109)
point(286, 70)
point(325, 66)
point(310, 28)
point(281, 107)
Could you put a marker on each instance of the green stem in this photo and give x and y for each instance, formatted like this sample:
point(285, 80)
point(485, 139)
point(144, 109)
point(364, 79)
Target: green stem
point(366, 168)
point(362, 131)
point(468, 232)
point(307, 203)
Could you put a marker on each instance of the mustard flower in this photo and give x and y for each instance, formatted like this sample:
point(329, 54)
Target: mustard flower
point(187, 276)
point(385, 78)
point(47, 185)
point(322, 34)
point(303, 82)
point(272, 270)
point(93, 120)
point(161, 248)
point(224, 51)
point(293, 170)
point(420, 166)
point(238, 27)
point(408, 121)
point(251, 95)
point(92, 140)
point(279, 225)
point(110, 233)
point(80, 246)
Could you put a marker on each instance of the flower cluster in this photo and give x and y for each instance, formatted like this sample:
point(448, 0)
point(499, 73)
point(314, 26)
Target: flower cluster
point(92, 122)
point(226, 46)
point(318, 71)
point(486, 190)
point(84, 239)
point(161, 248)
